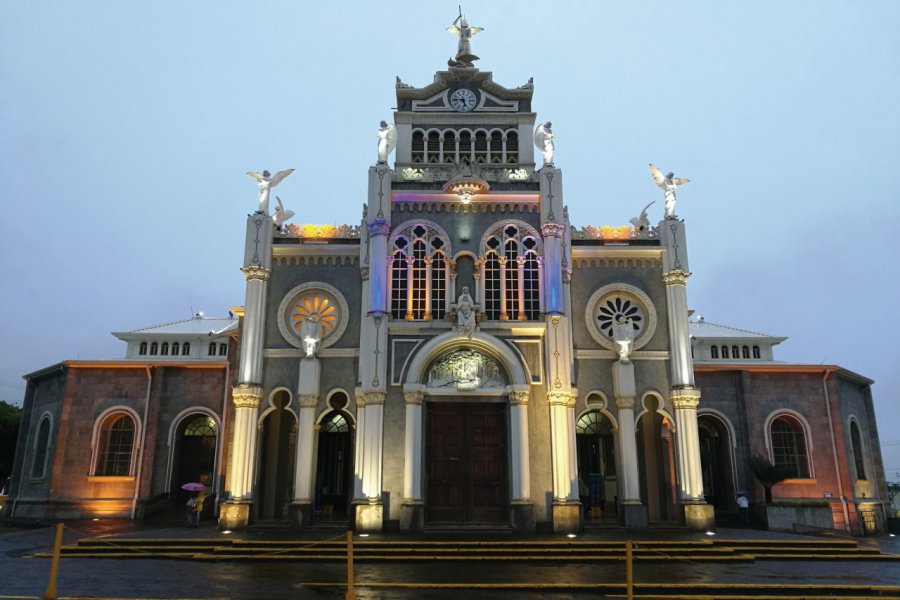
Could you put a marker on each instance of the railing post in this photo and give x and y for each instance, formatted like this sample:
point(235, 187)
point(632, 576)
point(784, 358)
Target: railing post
point(629, 572)
point(351, 593)
point(50, 592)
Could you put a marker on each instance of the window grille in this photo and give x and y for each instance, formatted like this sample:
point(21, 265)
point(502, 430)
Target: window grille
point(419, 272)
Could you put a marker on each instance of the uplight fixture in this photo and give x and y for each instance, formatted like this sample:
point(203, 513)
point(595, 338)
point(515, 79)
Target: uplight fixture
point(571, 535)
point(710, 533)
point(465, 188)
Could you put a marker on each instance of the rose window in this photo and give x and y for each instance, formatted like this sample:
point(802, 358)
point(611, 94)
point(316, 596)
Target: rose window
point(616, 308)
point(319, 307)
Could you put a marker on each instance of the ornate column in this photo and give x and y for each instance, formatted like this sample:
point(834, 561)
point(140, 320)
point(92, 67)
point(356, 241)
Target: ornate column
point(566, 505)
point(235, 512)
point(304, 460)
point(685, 396)
point(504, 315)
point(520, 271)
point(428, 262)
point(412, 516)
point(522, 508)
point(370, 508)
point(634, 514)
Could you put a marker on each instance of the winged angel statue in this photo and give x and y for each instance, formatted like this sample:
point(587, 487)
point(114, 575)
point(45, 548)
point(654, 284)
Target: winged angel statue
point(464, 56)
point(642, 223)
point(281, 215)
point(266, 182)
point(387, 141)
point(543, 141)
point(668, 184)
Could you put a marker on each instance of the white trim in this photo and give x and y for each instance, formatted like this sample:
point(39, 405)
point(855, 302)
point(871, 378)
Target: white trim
point(732, 441)
point(170, 442)
point(603, 411)
point(446, 342)
point(661, 409)
point(807, 435)
point(270, 401)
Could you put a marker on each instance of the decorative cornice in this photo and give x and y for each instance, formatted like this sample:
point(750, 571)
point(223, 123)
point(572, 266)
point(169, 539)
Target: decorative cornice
point(455, 206)
point(625, 402)
point(413, 397)
point(520, 397)
point(686, 398)
point(613, 262)
point(379, 227)
point(552, 230)
point(566, 399)
point(246, 395)
point(368, 397)
point(676, 277)
point(256, 272)
point(308, 400)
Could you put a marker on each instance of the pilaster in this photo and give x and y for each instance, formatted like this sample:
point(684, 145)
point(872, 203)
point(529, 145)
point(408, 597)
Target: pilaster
point(634, 514)
point(369, 509)
point(412, 515)
point(566, 505)
point(304, 462)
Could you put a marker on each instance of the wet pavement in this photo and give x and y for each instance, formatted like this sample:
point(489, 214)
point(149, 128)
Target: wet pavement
point(22, 576)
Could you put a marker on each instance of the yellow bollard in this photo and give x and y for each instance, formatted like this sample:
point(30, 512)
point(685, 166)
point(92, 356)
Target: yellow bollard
point(50, 593)
point(629, 572)
point(351, 593)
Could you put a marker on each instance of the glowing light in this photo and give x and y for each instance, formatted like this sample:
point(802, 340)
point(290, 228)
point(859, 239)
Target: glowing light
point(710, 533)
point(364, 535)
point(95, 519)
point(571, 535)
point(465, 188)
point(609, 232)
point(226, 532)
point(321, 232)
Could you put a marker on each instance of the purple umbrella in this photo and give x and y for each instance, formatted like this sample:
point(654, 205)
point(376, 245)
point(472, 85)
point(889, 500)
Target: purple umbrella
point(194, 487)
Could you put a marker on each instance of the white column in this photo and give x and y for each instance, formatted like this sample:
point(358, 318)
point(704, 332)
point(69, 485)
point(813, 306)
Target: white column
point(372, 449)
point(412, 463)
point(246, 401)
point(358, 449)
point(687, 444)
point(630, 488)
point(428, 262)
point(520, 270)
point(562, 441)
point(304, 463)
point(504, 316)
point(520, 469)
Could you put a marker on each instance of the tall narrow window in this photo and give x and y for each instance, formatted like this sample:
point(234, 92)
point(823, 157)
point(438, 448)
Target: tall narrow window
point(449, 146)
point(419, 265)
point(756, 352)
point(223, 349)
point(465, 147)
point(531, 280)
point(745, 351)
point(492, 280)
point(142, 350)
point(212, 349)
point(512, 273)
point(735, 353)
point(481, 146)
point(418, 146)
point(858, 458)
point(714, 352)
point(116, 443)
point(153, 348)
point(724, 351)
point(186, 349)
point(789, 447)
point(39, 466)
point(164, 349)
point(512, 147)
point(496, 148)
point(434, 147)
point(176, 348)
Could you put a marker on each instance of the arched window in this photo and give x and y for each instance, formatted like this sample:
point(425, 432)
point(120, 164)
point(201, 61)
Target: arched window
point(511, 273)
point(164, 349)
point(212, 349)
point(724, 351)
point(745, 352)
point(496, 148)
point(434, 147)
point(336, 424)
point(419, 270)
point(735, 352)
point(176, 348)
point(858, 458)
point(595, 441)
point(223, 349)
point(512, 147)
point(41, 446)
point(449, 147)
point(465, 147)
point(186, 349)
point(115, 446)
point(789, 446)
point(143, 349)
point(714, 352)
point(153, 349)
point(418, 146)
point(756, 352)
point(481, 146)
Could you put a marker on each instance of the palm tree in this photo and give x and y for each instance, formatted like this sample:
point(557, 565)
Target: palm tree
point(767, 474)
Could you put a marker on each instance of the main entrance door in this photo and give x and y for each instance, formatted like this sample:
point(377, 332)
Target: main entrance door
point(466, 462)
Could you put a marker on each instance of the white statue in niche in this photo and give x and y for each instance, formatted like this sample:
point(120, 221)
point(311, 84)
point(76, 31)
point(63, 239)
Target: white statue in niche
point(387, 141)
point(465, 314)
point(668, 184)
point(281, 215)
point(311, 334)
point(266, 181)
point(543, 141)
point(623, 333)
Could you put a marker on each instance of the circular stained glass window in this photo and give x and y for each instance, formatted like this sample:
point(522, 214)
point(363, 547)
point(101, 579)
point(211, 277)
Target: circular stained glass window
point(322, 303)
point(317, 306)
point(615, 309)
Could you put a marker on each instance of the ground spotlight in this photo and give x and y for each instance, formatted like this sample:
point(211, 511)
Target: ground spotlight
point(571, 535)
point(710, 533)
point(227, 531)
point(364, 535)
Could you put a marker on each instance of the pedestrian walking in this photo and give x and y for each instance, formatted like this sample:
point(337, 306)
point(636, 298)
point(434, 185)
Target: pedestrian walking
point(743, 508)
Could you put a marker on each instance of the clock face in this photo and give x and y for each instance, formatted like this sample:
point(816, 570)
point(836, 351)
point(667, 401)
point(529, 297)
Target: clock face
point(462, 100)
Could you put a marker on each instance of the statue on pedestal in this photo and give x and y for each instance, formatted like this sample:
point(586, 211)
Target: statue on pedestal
point(623, 334)
point(266, 182)
point(464, 56)
point(465, 314)
point(281, 215)
point(668, 184)
point(311, 334)
point(387, 141)
point(543, 141)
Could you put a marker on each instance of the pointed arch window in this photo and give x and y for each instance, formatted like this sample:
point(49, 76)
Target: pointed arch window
point(419, 270)
point(511, 273)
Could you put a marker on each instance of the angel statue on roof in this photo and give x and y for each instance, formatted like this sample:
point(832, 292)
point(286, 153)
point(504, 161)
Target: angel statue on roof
point(266, 182)
point(464, 56)
point(387, 141)
point(668, 184)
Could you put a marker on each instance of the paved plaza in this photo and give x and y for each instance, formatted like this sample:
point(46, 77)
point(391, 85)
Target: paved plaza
point(24, 576)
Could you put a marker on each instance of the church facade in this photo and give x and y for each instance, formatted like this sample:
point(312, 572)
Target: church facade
point(464, 358)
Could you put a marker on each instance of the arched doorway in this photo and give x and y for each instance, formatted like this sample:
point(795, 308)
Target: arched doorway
point(334, 463)
point(715, 461)
point(276, 460)
point(194, 457)
point(656, 460)
point(595, 445)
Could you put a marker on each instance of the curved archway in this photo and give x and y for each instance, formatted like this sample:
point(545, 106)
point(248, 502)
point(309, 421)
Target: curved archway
point(595, 443)
point(716, 459)
point(277, 452)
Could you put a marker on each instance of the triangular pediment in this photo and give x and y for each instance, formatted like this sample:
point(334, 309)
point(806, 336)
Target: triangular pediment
point(490, 96)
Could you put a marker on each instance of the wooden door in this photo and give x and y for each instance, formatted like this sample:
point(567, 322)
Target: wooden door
point(466, 462)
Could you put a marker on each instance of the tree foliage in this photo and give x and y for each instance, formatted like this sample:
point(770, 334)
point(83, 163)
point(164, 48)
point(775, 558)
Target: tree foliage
point(767, 474)
point(10, 416)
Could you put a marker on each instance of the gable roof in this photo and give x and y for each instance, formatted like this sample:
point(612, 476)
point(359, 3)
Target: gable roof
point(198, 325)
point(701, 328)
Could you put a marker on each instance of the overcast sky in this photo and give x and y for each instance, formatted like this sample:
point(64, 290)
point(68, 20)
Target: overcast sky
point(126, 130)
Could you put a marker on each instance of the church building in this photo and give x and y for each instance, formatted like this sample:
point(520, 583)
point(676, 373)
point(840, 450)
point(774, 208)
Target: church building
point(464, 358)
